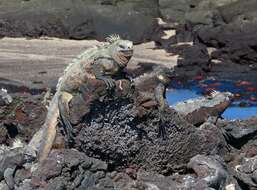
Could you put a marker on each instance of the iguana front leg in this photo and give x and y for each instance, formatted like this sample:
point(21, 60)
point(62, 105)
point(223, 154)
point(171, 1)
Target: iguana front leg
point(160, 98)
point(101, 75)
point(213, 119)
point(63, 105)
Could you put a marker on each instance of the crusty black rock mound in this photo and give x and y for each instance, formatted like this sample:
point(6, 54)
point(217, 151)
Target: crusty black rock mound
point(125, 130)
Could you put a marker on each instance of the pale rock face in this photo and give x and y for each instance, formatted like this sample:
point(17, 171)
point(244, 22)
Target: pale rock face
point(193, 104)
point(5, 96)
point(230, 187)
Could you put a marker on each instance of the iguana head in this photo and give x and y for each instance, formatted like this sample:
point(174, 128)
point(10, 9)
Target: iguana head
point(164, 74)
point(121, 50)
point(225, 96)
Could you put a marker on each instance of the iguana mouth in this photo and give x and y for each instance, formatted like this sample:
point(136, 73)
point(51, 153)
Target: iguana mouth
point(127, 53)
point(172, 75)
point(123, 57)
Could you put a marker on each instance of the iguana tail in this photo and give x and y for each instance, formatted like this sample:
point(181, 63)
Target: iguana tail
point(43, 140)
point(49, 131)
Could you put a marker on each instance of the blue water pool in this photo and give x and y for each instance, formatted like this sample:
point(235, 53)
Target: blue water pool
point(243, 107)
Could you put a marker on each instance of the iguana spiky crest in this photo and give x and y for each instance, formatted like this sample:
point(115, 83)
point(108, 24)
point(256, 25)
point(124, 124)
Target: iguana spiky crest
point(113, 38)
point(93, 51)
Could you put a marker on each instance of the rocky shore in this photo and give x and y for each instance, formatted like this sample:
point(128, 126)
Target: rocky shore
point(117, 146)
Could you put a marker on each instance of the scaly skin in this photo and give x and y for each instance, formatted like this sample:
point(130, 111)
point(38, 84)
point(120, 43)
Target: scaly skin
point(103, 63)
point(164, 77)
point(159, 79)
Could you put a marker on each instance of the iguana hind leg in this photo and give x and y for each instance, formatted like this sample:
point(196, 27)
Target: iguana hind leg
point(45, 137)
point(63, 105)
point(160, 98)
point(162, 126)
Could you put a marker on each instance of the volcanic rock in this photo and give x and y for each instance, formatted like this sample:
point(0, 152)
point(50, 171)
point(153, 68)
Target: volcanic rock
point(70, 169)
point(133, 20)
point(239, 133)
point(124, 131)
point(212, 171)
point(199, 110)
point(247, 172)
point(21, 118)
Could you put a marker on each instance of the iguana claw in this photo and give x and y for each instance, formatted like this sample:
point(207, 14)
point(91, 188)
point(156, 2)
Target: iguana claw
point(162, 130)
point(63, 105)
point(67, 129)
point(109, 83)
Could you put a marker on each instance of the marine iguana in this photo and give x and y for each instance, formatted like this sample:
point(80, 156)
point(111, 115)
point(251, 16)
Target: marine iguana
point(156, 82)
point(106, 63)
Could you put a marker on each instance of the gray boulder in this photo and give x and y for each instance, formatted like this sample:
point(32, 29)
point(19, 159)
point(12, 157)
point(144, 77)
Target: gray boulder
point(133, 20)
point(70, 169)
point(247, 172)
point(204, 12)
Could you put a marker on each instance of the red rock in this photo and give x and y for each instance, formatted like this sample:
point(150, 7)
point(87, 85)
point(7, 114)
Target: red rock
point(253, 99)
point(20, 115)
point(198, 77)
point(243, 83)
point(215, 84)
point(203, 85)
point(244, 104)
point(251, 89)
point(237, 95)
